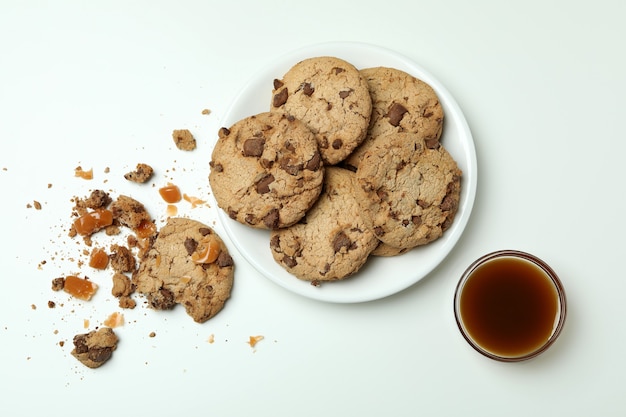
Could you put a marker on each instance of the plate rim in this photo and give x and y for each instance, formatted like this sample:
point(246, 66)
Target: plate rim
point(470, 177)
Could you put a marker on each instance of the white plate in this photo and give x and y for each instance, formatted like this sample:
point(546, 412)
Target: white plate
point(380, 277)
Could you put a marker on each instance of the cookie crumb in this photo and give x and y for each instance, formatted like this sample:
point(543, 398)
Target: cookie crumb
point(37, 205)
point(184, 140)
point(152, 334)
point(95, 348)
point(206, 111)
point(211, 338)
point(51, 304)
point(141, 174)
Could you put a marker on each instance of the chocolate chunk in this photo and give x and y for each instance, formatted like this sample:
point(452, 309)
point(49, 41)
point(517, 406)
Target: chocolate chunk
point(315, 162)
point(204, 231)
point(80, 343)
point(275, 243)
point(253, 147)
point(190, 245)
point(280, 98)
point(341, 241)
point(308, 89)
point(100, 354)
point(345, 94)
point(395, 114)
point(338, 70)
point(289, 261)
point(266, 163)
point(416, 220)
point(250, 219)
point(285, 164)
point(224, 260)
point(432, 143)
point(337, 144)
point(263, 185)
point(271, 219)
point(379, 231)
point(289, 146)
point(278, 83)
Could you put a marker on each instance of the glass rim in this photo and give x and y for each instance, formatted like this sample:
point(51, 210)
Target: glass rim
point(549, 272)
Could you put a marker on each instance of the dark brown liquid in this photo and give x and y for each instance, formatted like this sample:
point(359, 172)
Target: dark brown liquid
point(509, 306)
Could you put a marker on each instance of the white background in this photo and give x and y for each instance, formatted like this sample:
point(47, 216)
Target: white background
point(103, 84)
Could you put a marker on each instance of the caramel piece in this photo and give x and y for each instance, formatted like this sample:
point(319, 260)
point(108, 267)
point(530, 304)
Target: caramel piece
point(79, 287)
point(98, 259)
point(93, 221)
point(170, 193)
point(207, 251)
point(253, 340)
point(146, 229)
point(81, 173)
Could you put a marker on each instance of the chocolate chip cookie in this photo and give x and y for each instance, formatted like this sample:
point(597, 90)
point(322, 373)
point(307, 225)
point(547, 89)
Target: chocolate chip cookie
point(400, 103)
point(266, 170)
point(408, 192)
point(332, 241)
point(187, 264)
point(332, 98)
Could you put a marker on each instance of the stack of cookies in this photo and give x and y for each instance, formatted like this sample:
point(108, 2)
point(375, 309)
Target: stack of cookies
point(345, 164)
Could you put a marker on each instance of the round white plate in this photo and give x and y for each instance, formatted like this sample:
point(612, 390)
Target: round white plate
point(380, 276)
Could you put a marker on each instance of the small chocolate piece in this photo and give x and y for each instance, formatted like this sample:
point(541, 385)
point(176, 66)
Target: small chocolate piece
point(253, 147)
point(263, 185)
point(395, 114)
point(280, 98)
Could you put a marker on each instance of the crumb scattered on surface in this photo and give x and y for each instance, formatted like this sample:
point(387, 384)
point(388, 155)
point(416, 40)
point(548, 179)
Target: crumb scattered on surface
point(211, 338)
point(184, 140)
point(194, 201)
point(122, 285)
point(206, 111)
point(95, 348)
point(58, 284)
point(152, 334)
point(253, 340)
point(84, 174)
point(141, 174)
point(122, 259)
point(37, 205)
point(115, 319)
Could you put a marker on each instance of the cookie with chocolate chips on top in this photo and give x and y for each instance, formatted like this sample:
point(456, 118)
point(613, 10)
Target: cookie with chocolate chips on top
point(408, 193)
point(187, 264)
point(266, 170)
point(400, 103)
point(332, 98)
point(332, 242)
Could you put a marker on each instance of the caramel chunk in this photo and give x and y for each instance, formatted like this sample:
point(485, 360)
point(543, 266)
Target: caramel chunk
point(79, 287)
